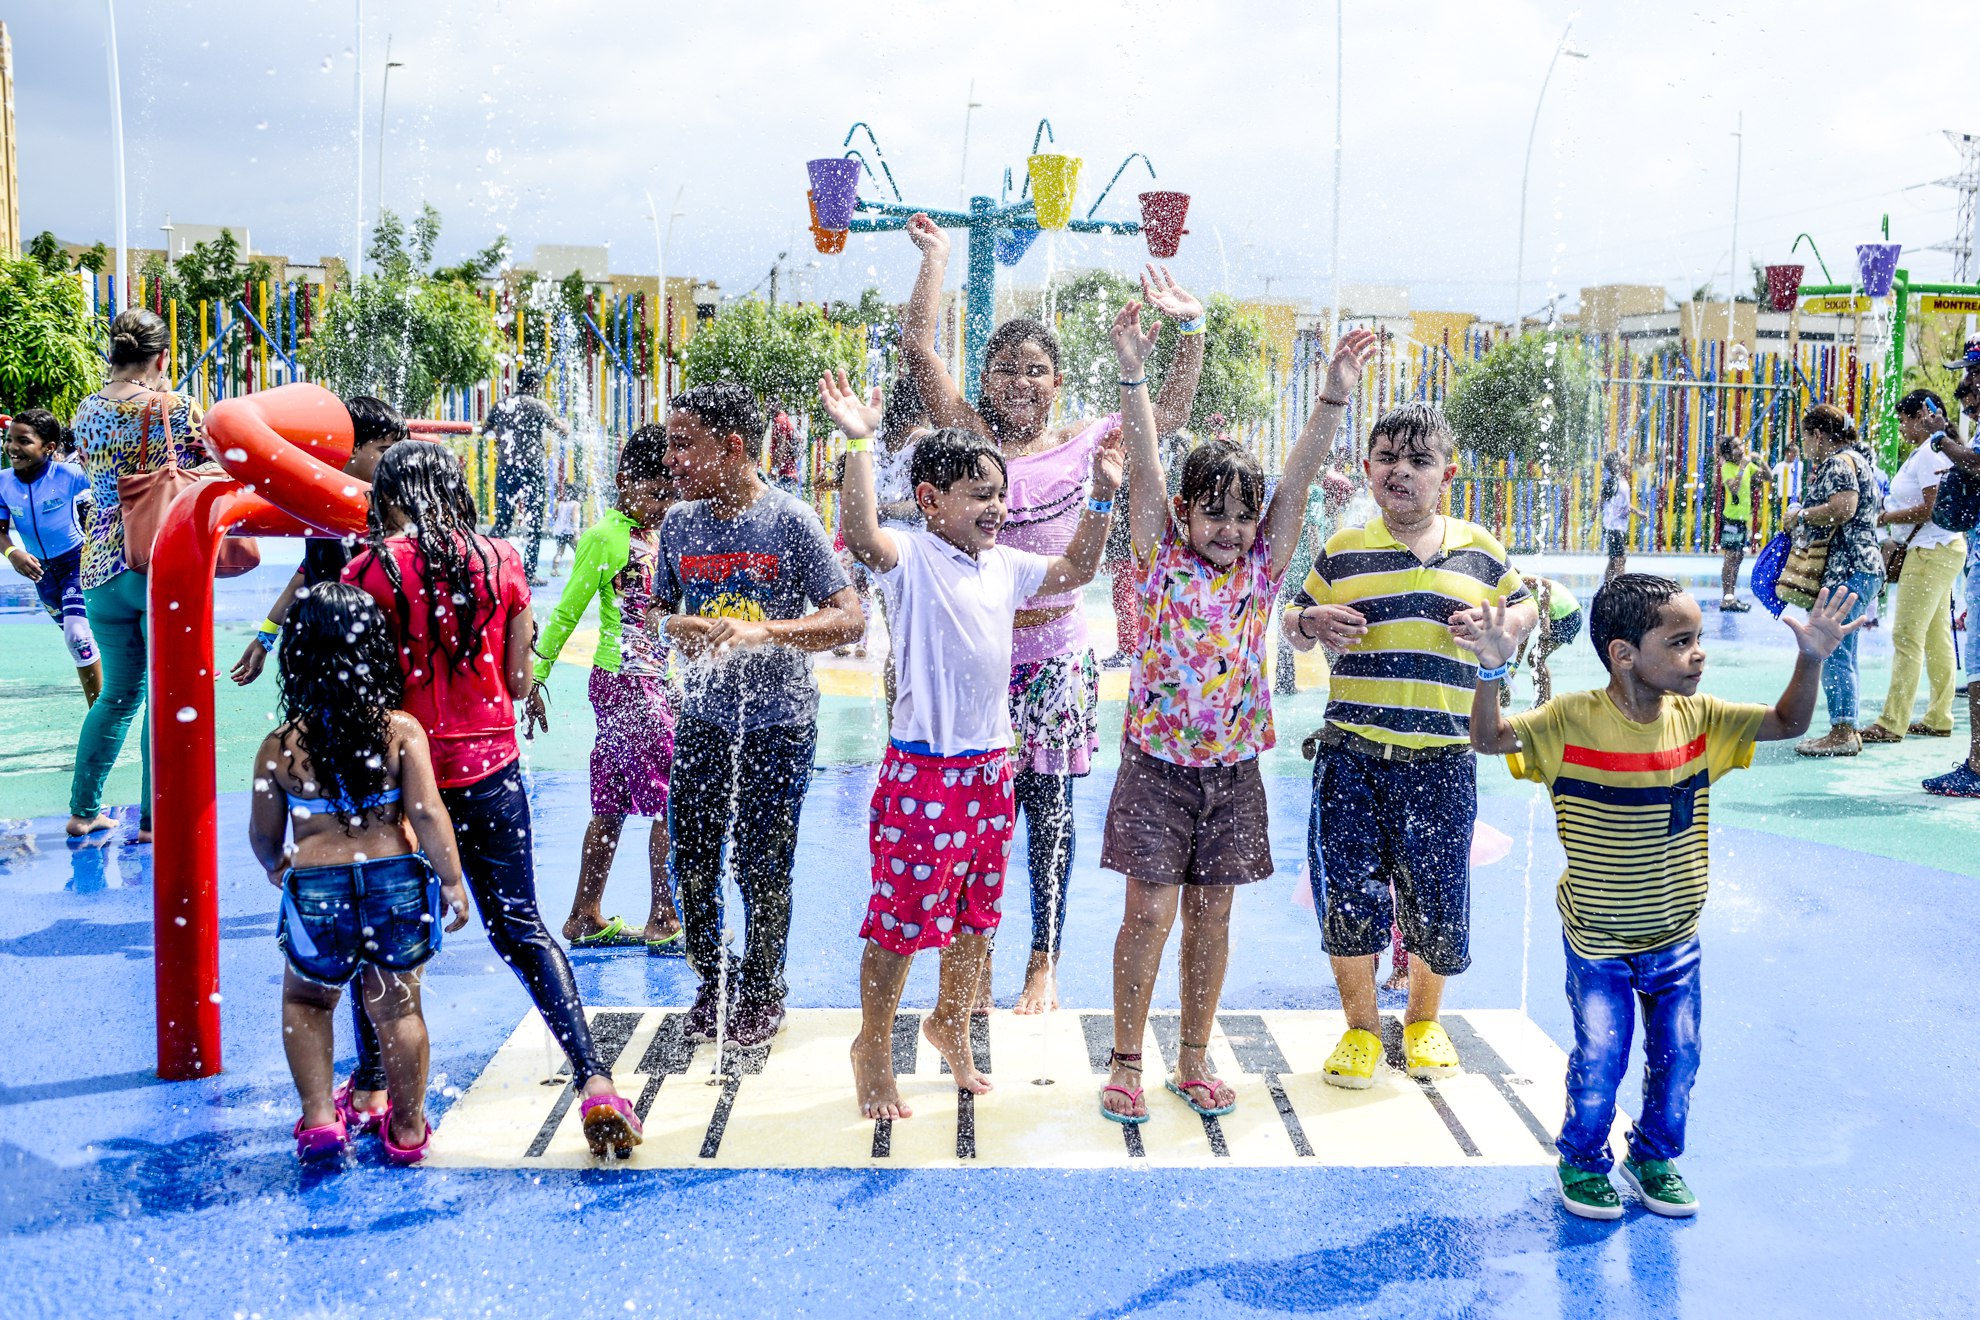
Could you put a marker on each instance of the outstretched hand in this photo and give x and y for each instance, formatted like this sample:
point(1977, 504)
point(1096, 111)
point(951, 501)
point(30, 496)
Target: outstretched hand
point(1168, 297)
point(928, 236)
point(1487, 632)
point(1350, 356)
point(1132, 343)
point(859, 419)
point(1828, 623)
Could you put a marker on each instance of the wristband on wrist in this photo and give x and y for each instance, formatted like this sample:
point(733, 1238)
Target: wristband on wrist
point(1493, 675)
point(1101, 506)
point(1299, 622)
point(859, 444)
point(1333, 403)
point(1193, 326)
point(1131, 384)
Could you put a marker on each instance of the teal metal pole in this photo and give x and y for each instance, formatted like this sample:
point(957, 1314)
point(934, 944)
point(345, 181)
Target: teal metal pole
point(980, 307)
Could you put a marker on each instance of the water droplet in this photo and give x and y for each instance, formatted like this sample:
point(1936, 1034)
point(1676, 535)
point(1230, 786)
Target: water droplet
point(187, 714)
point(178, 921)
point(235, 455)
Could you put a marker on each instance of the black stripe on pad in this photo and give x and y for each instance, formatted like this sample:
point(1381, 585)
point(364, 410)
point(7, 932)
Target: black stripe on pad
point(610, 1033)
point(1392, 1050)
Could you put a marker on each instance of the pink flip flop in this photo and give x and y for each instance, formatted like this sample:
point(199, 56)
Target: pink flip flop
point(328, 1142)
point(1128, 1120)
point(356, 1121)
point(610, 1123)
point(402, 1155)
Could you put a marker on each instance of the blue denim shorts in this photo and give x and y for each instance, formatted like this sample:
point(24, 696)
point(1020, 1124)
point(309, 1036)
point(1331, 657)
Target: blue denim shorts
point(385, 911)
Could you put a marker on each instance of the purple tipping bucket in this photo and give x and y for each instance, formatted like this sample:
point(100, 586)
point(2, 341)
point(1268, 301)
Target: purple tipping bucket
point(1878, 263)
point(834, 187)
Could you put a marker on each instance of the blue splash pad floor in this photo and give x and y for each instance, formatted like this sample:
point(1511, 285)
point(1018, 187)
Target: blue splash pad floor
point(1831, 1139)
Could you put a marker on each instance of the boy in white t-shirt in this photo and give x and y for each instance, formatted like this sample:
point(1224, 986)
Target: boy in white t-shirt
point(942, 814)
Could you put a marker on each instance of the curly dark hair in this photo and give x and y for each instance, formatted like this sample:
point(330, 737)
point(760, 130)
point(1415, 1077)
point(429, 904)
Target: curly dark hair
point(340, 683)
point(423, 482)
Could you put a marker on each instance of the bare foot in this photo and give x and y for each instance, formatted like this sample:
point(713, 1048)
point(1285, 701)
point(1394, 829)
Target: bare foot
point(1041, 986)
point(407, 1130)
point(873, 1079)
point(951, 1040)
point(1128, 1078)
point(81, 825)
point(1193, 1074)
point(986, 1003)
point(143, 835)
point(1398, 979)
point(369, 1104)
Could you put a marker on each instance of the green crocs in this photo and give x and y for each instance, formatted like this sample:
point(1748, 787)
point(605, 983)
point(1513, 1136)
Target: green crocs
point(1587, 1195)
point(1660, 1187)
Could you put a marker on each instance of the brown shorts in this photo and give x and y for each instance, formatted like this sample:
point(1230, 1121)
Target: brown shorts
point(1187, 825)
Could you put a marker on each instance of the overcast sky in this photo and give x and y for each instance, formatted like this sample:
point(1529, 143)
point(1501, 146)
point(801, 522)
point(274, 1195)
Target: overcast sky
point(552, 122)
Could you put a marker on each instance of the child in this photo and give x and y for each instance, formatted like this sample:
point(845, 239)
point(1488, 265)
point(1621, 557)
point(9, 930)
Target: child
point(375, 427)
point(1395, 787)
point(1630, 769)
point(563, 526)
point(458, 603)
point(1187, 824)
point(616, 561)
point(348, 775)
point(944, 812)
point(39, 492)
point(1560, 613)
point(1737, 474)
point(1618, 507)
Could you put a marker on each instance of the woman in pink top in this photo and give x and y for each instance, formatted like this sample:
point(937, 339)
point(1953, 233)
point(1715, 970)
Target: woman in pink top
point(1054, 676)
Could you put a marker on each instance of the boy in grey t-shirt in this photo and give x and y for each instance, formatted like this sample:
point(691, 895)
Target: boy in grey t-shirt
point(744, 564)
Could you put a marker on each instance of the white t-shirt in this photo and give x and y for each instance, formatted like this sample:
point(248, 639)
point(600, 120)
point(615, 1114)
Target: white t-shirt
point(1919, 474)
point(1615, 511)
point(950, 616)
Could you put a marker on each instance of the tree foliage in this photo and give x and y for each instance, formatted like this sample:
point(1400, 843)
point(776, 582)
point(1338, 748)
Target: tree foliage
point(1234, 380)
point(1530, 399)
point(51, 351)
point(209, 276)
point(399, 335)
point(777, 352)
point(478, 267)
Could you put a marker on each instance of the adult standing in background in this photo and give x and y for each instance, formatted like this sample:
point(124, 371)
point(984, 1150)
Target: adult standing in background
point(1963, 780)
point(522, 467)
point(1843, 499)
point(133, 424)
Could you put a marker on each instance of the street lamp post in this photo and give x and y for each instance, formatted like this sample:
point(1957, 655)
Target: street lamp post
point(117, 143)
point(1519, 263)
point(383, 93)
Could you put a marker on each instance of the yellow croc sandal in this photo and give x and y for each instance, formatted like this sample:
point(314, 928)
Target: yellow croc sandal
point(1352, 1064)
point(1428, 1052)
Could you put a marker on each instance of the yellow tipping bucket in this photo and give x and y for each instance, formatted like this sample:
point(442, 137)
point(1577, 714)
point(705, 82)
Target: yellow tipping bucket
point(1054, 180)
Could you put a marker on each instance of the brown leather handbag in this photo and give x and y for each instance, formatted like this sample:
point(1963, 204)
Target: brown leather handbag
point(144, 496)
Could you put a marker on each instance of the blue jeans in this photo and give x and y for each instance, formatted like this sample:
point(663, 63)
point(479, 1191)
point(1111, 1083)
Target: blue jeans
point(1665, 982)
point(1839, 670)
point(1973, 605)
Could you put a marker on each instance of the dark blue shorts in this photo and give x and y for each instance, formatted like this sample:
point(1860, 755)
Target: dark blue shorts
point(60, 586)
point(385, 912)
point(1563, 631)
point(1379, 823)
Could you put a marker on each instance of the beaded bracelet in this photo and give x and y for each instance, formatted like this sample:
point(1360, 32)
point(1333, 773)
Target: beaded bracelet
point(1131, 384)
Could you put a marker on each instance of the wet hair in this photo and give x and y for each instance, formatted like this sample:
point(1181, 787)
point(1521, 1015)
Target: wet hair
point(372, 420)
point(644, 455)
point(44, 424)
point(904, 409)
point(456, 565)
point(527, 379)
point(137, 335)
point(1012, 333)
point(1415, 428)
point(952, 454)
point(340, 683)
point(1217, 468)
point(1922, 401)
point(1627, 609)
point(1827, 419)
point(725, 408)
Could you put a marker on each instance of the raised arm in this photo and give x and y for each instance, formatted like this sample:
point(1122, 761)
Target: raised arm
point(939, 392)
point(1493, 634)
point(1309, 453)
point(859, 520)
point(1160, 290)
point(1148, 493)
point(1076, 567)
point(1814, 642)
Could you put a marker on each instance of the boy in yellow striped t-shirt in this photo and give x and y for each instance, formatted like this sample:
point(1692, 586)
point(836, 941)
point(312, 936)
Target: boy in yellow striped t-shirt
point(1395, 786)
point(1631, 769)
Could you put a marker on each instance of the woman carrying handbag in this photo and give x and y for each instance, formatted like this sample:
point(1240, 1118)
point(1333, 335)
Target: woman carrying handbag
point(133, 426)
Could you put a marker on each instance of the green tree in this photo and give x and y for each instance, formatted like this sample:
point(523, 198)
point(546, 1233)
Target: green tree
point(210, 275)
point(478, 267)
point(398, 335)
point(1234, 381)
point(1531, 400)
point(51, 350)
point(776, 352)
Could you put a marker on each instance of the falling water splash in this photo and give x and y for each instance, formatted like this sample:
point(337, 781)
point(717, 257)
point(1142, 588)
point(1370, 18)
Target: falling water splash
point(1526, 919)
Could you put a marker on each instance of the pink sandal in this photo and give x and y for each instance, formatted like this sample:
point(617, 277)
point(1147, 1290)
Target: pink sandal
point(1133, 1063)
point(610, 1122)
point(356, 1120)
point(328, 1142)
point(402, 1155)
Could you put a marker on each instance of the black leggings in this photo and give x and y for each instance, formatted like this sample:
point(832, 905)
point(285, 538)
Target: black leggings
point(1045, 802)
point(492, 828)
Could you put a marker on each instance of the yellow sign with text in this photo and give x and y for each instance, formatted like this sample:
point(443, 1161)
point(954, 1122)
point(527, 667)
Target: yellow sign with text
point(1836, 306)
point(1966, 304)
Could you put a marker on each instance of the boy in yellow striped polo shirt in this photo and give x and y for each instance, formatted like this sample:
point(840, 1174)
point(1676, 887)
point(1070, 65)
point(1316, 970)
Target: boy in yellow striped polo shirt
point(1631, 769)
point(1395, 786)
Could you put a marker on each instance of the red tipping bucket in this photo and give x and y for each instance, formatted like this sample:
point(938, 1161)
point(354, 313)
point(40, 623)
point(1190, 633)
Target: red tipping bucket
point(1878, 264)
point(835, 189)
point(1783, 283)
point(830, 242)
point(1162, 215)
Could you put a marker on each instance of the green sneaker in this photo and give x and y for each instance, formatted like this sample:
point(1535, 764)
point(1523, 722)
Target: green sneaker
point(1660, 1187)
point(1589, 1195)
